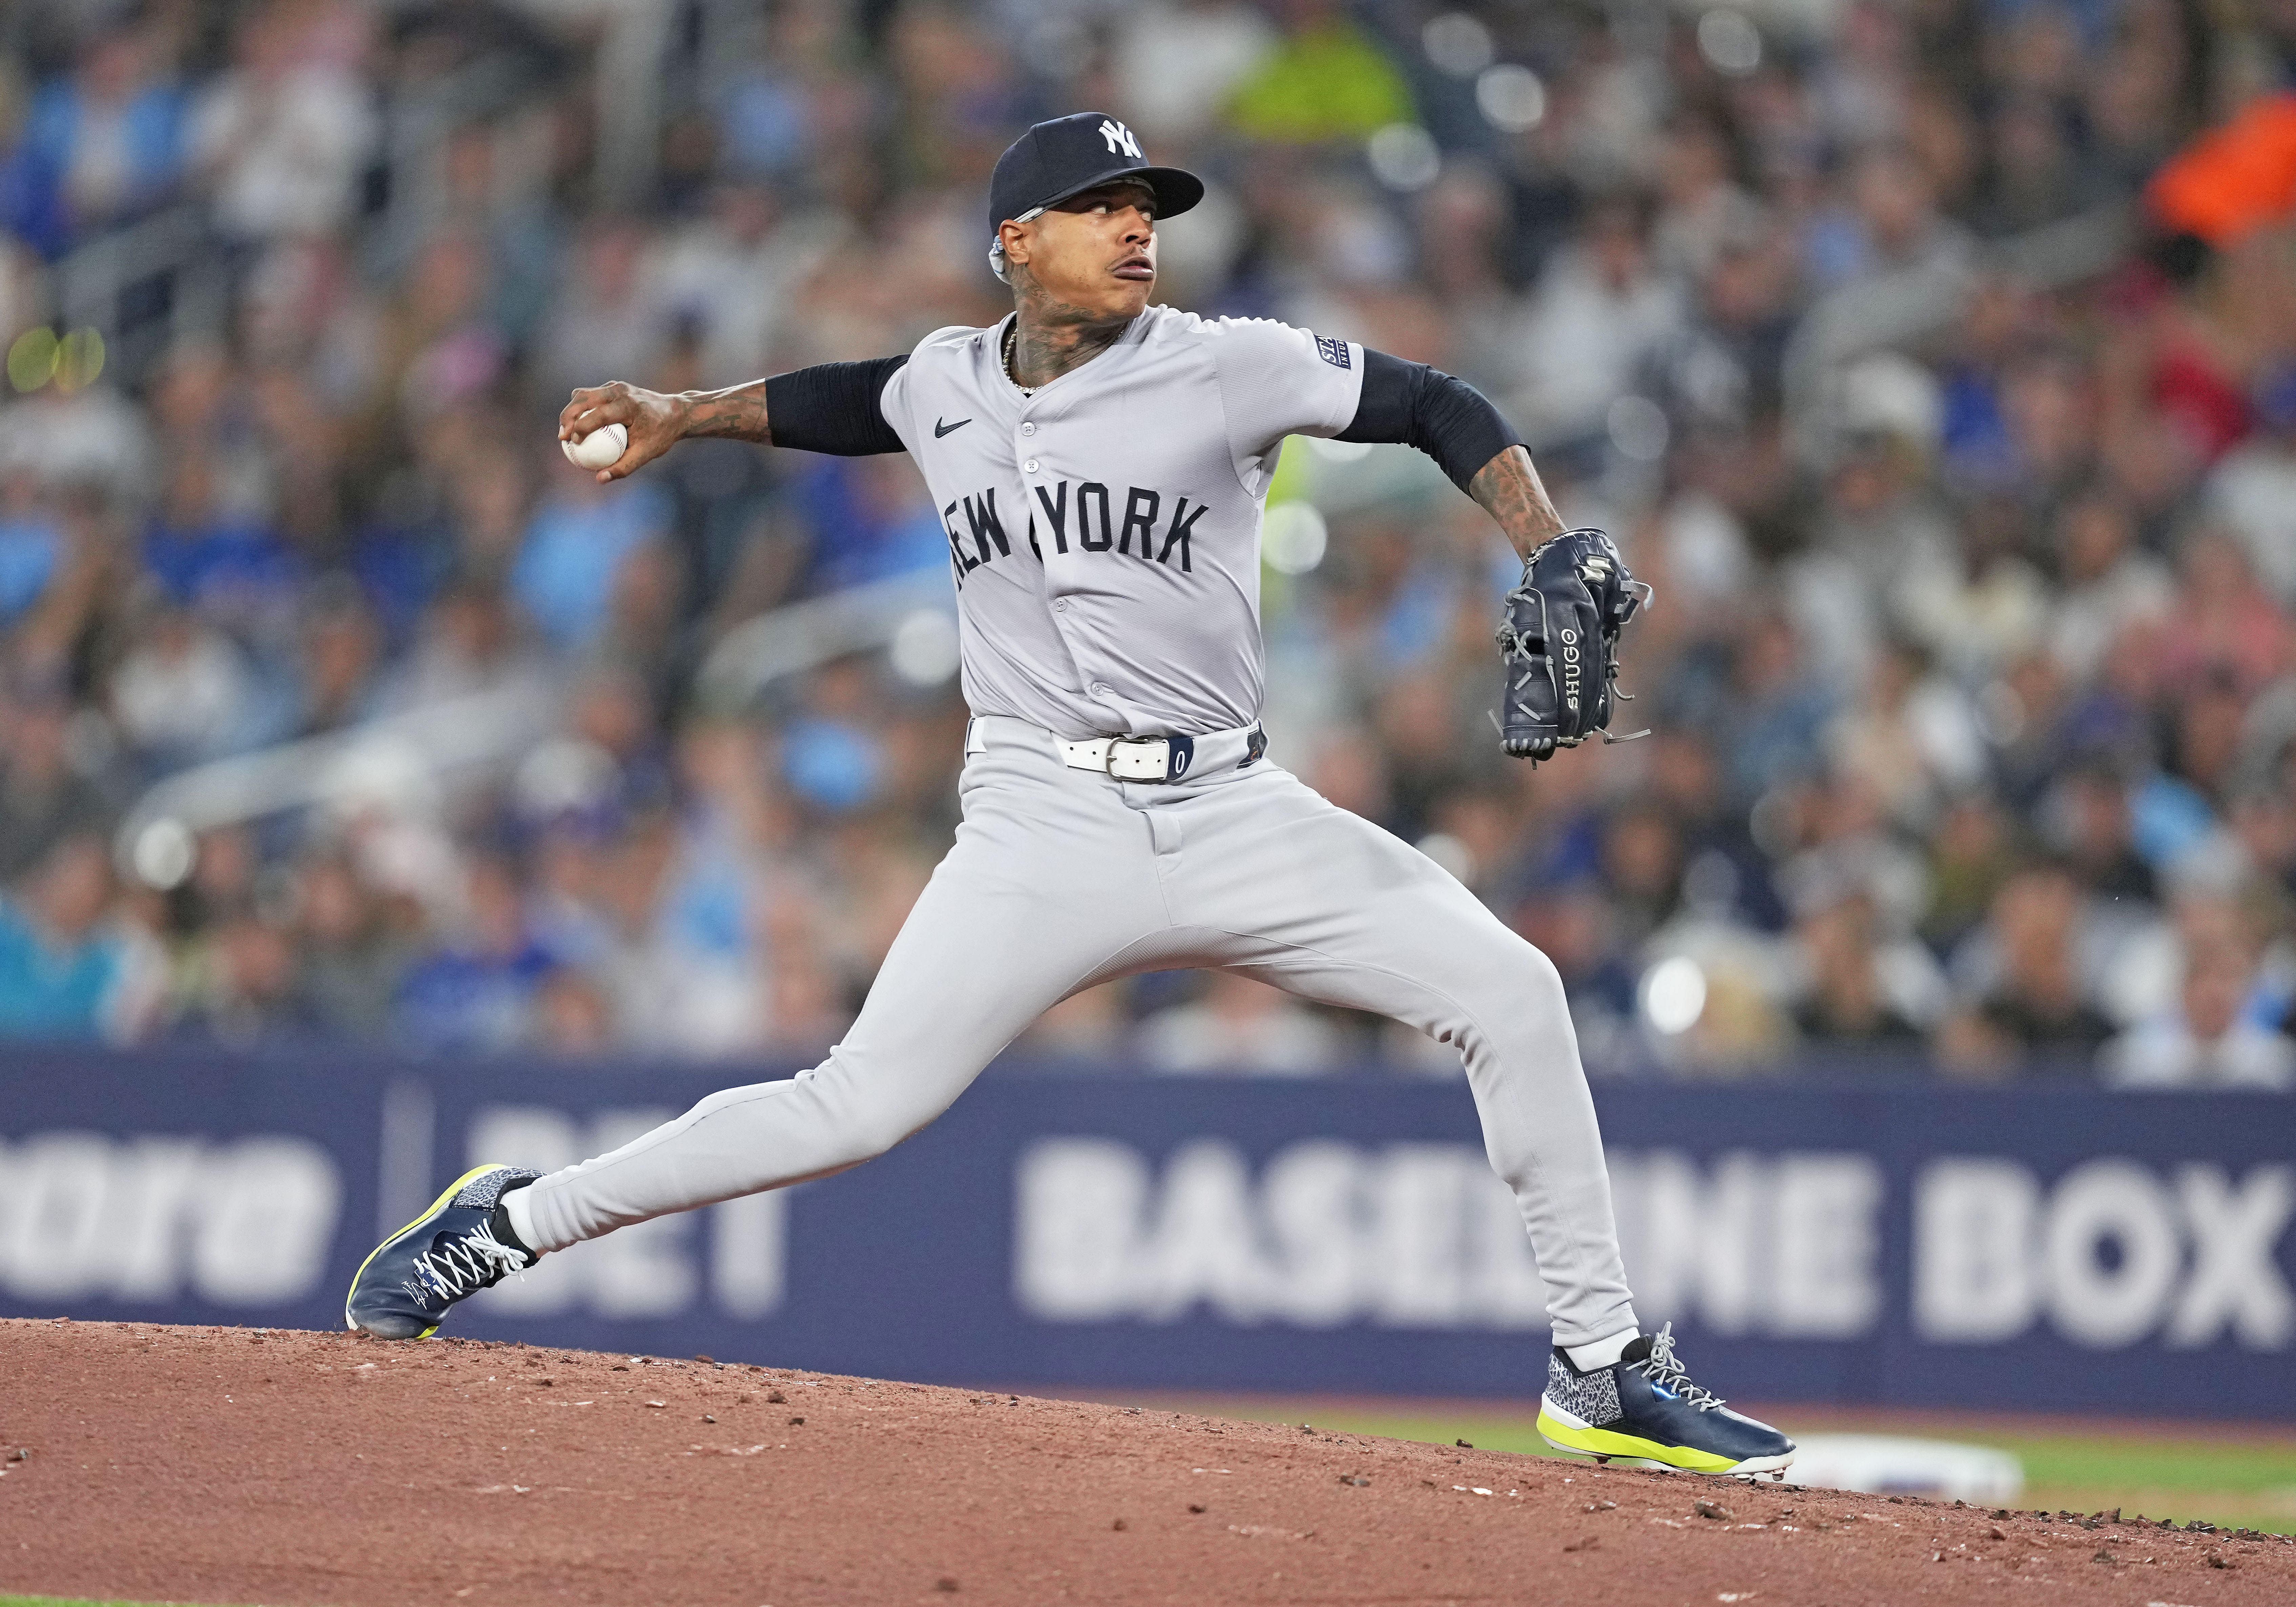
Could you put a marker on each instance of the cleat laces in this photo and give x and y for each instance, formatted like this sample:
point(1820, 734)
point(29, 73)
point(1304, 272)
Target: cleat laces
point(464, 1265)
point(1664, 1372)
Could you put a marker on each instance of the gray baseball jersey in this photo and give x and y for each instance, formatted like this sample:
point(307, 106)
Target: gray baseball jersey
point(1104, 528)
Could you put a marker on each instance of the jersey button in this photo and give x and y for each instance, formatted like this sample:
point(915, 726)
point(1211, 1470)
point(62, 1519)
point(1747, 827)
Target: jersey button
point(1028, 429)
point(1030, 465)
point(1060, 605)
point(1101, 689)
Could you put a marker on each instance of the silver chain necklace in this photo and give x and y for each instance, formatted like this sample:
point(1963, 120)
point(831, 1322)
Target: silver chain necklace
point(1012, 344)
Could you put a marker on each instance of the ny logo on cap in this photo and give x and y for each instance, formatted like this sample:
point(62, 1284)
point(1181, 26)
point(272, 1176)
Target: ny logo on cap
point(1119, 138)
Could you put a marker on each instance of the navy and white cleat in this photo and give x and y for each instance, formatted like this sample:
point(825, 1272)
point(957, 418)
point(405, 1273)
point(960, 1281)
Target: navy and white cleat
point(462, 1244)
point(1645, 1409)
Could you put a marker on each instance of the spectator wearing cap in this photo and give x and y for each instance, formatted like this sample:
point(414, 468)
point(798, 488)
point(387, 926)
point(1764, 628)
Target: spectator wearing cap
point(1703, 210)
point(1882, 547)
point(2036, 174)
point(611, 316)
point(1987, 609)
point(1851, 850)
point(2204, 740)
point(2042, 722)
point(1724, 867)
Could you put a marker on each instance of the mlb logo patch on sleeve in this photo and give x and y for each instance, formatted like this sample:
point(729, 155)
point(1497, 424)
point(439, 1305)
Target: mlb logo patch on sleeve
point(1334, 352)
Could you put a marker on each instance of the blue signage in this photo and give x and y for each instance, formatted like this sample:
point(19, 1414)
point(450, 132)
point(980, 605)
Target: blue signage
point(2050, 1249)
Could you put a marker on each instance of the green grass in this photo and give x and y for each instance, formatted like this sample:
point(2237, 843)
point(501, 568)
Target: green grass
point(2246, 1482)
point(2244, 1478)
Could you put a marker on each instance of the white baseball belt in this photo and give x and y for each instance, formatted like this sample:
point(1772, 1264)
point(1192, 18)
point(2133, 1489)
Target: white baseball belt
point(1148, 759)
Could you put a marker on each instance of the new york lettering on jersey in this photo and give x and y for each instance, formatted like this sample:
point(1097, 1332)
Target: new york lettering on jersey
point(1094, 527)
point(1117, 509)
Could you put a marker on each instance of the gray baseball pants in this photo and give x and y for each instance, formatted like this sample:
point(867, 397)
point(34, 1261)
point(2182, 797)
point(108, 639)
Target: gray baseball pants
point(1061, 878)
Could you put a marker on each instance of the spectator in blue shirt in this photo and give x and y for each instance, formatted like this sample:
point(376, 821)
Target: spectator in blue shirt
point(31, 544)
point(231, 568)
point(867, 521)
point(65, 972)
point(478, 993)
point(104, 143)
point(573, 554)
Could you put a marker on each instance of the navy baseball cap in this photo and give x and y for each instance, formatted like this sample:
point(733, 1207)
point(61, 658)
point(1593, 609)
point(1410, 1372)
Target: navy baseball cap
point(1072, 154)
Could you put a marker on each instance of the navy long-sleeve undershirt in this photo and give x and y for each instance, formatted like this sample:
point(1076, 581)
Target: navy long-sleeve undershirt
point(1416, 405)
point(832, 407)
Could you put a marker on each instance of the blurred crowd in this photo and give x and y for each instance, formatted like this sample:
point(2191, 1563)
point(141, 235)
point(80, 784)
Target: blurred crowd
point(1966, 481)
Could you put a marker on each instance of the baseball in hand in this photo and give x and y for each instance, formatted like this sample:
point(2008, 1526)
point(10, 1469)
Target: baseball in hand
point(602, 448)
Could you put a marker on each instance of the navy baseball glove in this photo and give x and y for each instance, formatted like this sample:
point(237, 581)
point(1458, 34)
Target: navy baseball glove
point(1560, 643)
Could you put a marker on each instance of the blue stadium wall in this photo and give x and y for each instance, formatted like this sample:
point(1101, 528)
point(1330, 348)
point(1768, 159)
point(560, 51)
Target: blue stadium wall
point(1839, 1241)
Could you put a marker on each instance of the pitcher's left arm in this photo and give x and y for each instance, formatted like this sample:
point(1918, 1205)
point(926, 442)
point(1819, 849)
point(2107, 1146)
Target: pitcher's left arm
point(1560, 638)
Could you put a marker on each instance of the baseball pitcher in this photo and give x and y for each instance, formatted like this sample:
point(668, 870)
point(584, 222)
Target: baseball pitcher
point(1100, 464)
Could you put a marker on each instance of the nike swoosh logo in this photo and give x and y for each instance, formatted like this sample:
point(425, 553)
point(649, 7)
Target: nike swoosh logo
point(940, 428)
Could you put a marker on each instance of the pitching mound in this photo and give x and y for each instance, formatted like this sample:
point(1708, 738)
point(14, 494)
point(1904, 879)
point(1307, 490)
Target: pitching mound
point(206, 1464)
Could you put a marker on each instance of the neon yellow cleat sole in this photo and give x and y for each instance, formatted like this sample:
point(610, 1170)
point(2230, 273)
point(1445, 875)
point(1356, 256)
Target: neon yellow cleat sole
point(1566, 1433)
point(1643, 1408)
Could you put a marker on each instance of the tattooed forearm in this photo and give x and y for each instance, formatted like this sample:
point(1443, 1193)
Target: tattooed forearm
point(737, 413)
point(1509, 490)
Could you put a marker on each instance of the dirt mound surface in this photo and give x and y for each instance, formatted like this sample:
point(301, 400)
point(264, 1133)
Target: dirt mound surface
point(249, 1466)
